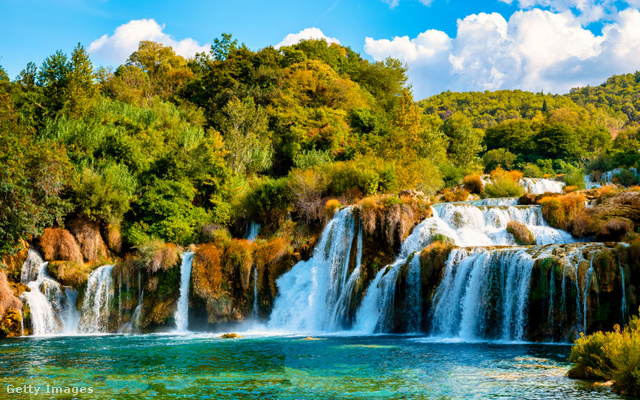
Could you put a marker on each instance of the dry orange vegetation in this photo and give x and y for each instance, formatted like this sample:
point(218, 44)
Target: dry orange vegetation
point(473, 183)
point(59, 244)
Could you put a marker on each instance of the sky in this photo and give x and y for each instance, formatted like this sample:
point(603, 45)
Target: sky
point(457, 45)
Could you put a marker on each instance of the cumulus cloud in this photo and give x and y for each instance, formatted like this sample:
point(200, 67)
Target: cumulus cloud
point(116, 48)
point(308, 33)
point(534, 50)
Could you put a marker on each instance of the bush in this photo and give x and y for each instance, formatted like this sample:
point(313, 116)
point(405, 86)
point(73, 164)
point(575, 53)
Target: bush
point(521, 233)
point(473, 184)
point(575, 178)
point(532, 171)
point(311, 158)
point(560, 211)
point(451, 174)
point(307, 189)
point(498, 158)
point(156, 255)
point(615, 228)
point(207, 271)
point(504, 184)
point(59, 244)
point(612, 356)
point(330, 207)
point(364, 176)
point(458, 194)
point(626, 177)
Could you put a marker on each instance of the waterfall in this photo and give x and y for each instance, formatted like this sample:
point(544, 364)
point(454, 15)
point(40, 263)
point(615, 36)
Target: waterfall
point(252, 232)
point(53, 307)
point(623, 303)
point(137, 313)
point(182, 312)
point(413, 298)
point(587, 286)
point(473, 225)
point(540, 186)
point(120, 305)
point(97, 304)
point(483, 294)
point(21, 323)
point(311, 296)
point(255, 294)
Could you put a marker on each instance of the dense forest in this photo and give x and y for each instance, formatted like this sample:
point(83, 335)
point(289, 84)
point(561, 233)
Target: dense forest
point(163, 145)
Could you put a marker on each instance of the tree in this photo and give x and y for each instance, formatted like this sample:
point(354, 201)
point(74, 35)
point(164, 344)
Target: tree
point(465, 143)
point(244, 128)
point(557, 140)
point(168, 72)
point(222, 47)
point(28, 76)
point(53, 77)
point(81, 89)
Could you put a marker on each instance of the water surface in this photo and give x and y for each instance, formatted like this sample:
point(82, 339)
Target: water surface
point(334, 367)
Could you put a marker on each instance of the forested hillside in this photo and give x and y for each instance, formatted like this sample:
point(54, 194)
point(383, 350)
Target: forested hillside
point(162, 146)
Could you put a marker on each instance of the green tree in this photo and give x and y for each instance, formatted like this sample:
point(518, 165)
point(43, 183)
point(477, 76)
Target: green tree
point(465, 143)
point(223, 46)
point(81, 89)
point(53, 77)
point(244, 128)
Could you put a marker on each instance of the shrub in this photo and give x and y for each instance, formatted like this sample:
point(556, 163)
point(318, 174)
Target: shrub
point(266, 201)
point(585, 225)
point(364, 175)
point(59, 244)
point(503, 187)
point(595, 176)
point(311, 158)
point(521, 233)
point(532, 171)
point(626, 177)
point(7, 298)
point(87, 234)
point(451, 174)
point(615, 228)
point(612, 356)
point(307, 188)
point(156, 255)
point(330, 207)
point(559, 211)
point(498, 158)
point(473, 183)
point(575, 178)
point(421, 175)
point(207, 271)
point(458, 194)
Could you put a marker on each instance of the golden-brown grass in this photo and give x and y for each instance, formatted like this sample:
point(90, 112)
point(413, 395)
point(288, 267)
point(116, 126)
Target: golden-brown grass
point(157, 255)
point(87, 234)
point(59, 244)
point(473, 184)
point(7, 298)
point(521, 233)
point(207, 271)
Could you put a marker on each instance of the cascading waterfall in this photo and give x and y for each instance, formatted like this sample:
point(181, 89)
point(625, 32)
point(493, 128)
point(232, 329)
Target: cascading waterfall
point(313, 293)
point(540, 185)
point(483, 294)
point(623, 305)
point(587, 287)
point(413, 298)
point(53, 307)
point(255, 294)
point(120, 305)
point(182, 312)
point(252, 232)
point(473, 225)
point(97, 304)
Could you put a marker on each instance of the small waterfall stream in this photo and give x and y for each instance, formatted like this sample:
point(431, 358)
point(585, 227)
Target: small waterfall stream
point(53, 307)
point(98, 301)
point(254, 311)
point(182, 312)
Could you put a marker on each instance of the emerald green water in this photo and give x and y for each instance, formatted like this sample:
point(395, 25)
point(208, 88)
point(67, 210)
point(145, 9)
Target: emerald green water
point(207, 367)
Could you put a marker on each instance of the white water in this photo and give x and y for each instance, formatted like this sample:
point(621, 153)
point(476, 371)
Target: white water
point(623, 304)
point(474, 276)
point(471, 225)
point(311, 296)
point(97, 304)
point(53, 307)
point(254, 311)
point(252, 232)
point(182, 312)
point(540, 185)
point(413, 297)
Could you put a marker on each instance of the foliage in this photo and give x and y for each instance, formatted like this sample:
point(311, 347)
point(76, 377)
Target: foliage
point(474, 184)
point(532, 171)
point(498, 158)
point(575, 178)
point(521, 233)
point(504, 184)
point(626, 178)
point(612, 356)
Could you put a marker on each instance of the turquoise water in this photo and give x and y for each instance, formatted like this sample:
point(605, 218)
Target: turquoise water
point(207, 367)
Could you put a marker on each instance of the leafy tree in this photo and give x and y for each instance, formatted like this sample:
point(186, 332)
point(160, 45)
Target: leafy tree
point(557, 140)
point(81, 89)
point(498, 158)
point(53, 77)
point(464, 142)
point(223, 46)
point(244, 128)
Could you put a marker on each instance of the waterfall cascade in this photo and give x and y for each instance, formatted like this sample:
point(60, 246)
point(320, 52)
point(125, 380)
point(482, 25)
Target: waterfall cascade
point(314, 293)
point(254, 311)
point(252, 232)
point(182, 312)
point(97, 303)
point(53, 307)
point(541, 185)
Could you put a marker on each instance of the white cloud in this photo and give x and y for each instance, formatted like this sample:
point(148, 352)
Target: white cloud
point(308, 33)
point(116, 48)
point(534, 50)
point(395, 3)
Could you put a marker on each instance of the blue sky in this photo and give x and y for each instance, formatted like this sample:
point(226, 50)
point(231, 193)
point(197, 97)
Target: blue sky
point(549, 45)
